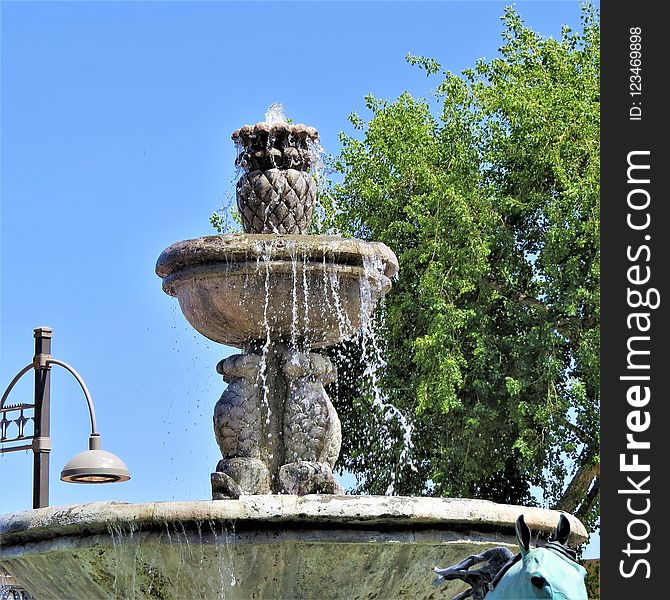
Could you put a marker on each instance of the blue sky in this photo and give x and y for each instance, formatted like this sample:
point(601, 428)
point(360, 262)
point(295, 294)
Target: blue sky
point(116, 121)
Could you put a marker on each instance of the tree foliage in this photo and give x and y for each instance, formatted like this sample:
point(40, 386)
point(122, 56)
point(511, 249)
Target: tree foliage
point(491, 203)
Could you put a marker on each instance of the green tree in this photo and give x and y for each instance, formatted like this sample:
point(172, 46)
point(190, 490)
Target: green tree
point(491, 203)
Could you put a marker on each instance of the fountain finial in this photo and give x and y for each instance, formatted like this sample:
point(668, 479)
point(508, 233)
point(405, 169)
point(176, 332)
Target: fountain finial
point(276, 192)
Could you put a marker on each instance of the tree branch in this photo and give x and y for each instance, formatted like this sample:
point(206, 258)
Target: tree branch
point(493, 283)
point(578, 489)
point(581, 436)
point(569, 327)
point(589, 501)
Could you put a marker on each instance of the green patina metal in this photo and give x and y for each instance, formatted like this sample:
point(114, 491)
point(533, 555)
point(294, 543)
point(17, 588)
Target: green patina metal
point(550, 571)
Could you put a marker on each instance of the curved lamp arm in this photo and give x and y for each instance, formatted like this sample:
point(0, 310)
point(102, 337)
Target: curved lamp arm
point(13, 382)
point(80, 381)
point(92, 466)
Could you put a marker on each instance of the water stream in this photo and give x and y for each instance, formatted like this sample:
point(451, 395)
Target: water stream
point(328, 301)
point(373, 359)
point(200, 554)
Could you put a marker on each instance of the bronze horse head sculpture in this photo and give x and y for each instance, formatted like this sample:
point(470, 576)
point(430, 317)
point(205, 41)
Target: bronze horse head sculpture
point(549, 571)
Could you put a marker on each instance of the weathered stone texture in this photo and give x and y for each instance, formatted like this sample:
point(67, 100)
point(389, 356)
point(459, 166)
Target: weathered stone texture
point(276, 201)
point(263, 547)
point(237, 414)
point(312, 430)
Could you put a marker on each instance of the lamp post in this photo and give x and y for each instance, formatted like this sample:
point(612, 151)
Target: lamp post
point(92, 466)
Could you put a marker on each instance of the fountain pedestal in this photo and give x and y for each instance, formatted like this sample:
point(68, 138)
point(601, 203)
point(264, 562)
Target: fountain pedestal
point(278, 298)
point(275, 425)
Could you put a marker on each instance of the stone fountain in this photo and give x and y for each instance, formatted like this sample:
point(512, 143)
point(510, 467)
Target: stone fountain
point(277, 294)
point(278, 525)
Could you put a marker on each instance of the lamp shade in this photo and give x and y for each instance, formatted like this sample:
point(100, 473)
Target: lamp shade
point(95, 466)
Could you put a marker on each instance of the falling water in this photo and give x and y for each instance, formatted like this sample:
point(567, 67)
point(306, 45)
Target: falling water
point(200, 552)
point(343, 321)
point(224, 543)
point(264, 253)
point(318, 166)
point(294, 295)
point(331, 291)
point(305, 291)
point(372, 356)
point(124, 559)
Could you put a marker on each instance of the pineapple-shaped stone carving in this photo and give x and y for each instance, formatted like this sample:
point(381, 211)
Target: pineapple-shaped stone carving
point(276, 193)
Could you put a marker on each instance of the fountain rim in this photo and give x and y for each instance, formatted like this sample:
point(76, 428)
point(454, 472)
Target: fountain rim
point(246, 247)
point(285, 511)
point(247, 133)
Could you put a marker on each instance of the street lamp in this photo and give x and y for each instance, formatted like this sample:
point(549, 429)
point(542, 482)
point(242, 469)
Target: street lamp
point(92, 466)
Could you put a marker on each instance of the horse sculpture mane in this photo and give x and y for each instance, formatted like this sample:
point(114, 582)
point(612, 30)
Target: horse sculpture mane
point(550, 571)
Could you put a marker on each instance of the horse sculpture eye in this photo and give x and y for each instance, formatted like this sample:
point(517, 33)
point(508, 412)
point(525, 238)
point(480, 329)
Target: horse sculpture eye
point(538, 582)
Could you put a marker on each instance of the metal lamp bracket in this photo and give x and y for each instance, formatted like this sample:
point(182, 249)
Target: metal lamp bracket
point(42, 444)
point(42, 361)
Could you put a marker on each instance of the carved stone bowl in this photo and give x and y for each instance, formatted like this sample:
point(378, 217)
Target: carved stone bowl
point(263, 547)
point(245, 289)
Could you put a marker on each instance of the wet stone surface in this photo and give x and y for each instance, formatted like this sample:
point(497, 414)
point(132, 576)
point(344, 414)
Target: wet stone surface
point(315, 547)
point(278, 298)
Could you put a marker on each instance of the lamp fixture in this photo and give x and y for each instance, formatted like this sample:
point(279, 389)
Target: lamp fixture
point(91, 466)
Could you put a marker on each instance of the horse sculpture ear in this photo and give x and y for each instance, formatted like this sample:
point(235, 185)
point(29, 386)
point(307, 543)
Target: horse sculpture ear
point(562, 531)
point(522, 535)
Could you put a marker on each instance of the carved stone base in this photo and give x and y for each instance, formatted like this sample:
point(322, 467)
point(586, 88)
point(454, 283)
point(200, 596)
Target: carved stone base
point(303, 477)
point(237, 476)
point(275, 425)
point(224, 487)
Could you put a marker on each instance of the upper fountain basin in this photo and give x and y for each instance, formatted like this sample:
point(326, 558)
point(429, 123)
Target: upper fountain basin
point(245, 289)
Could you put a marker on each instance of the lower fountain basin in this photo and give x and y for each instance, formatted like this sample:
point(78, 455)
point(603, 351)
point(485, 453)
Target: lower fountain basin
point(238, 289)
point(269, 547)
